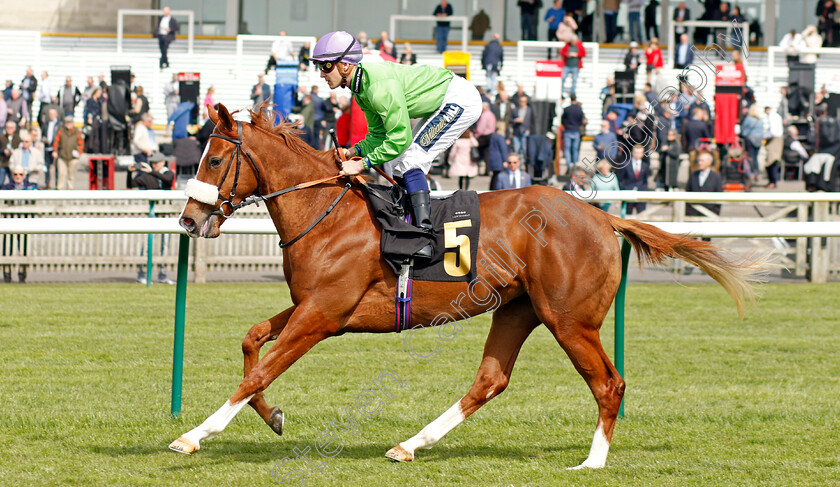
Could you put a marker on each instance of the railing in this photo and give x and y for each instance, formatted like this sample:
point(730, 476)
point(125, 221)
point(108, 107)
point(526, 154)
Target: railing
point(121, 13)
point(771, 61)
point(430, 18)
point(260, 252)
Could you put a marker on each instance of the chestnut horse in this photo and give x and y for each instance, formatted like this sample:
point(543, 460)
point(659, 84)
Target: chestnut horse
point(548, 258)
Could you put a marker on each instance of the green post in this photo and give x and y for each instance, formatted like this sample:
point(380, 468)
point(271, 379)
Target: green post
point(180, 314)
point(619, 315)
point(150, 242)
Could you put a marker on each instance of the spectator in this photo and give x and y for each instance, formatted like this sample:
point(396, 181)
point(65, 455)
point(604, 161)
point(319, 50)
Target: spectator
point(4, 113)
point(330, 110)
point(143, 143)
point(572, 53)
point(632, 58)
point(704, 179)
point(792, 43)
point(793, 152)
point(7, 91)
point(319, 107)
point(363, 40)
point(261, 91)
point(502, 109)
point(28, 88)
point(93, 107)
point(752, 131)
point(669, 161)
point(303, 56)
point(513, 177)
point(567, 28)
point(167, 28)
point(497, 154)
point(774, 134)
point(826, 13)
point(17, 108)
point(29, 158)
point(208, 100)
point(51, 128)
point(605, 143)
point(67, 146)
point(154, 175)
point(737, 36)
point(88, 92)
point(681, 14)
point(442, 11)
point(527, 11)
point(306, 133)
point(43, 96)
point(574, 8)
point(650, 19)
point(460, 162)
point(634, 19)
point(479, 25)
point(611, 19)
point(812, 40)
point(140, 107)
point(826, 146)
point(522, 121)
point(171, 97)
point(634, 176)
point(605, 180)
point(693, 130)
point(10, 141)
point(653, 59)
point(573, 122)
point(281, 50)
point(408, 56)
point(649, 94)
point(683, 55)
point(554, 17)
point(485, 126)
point(18, 182)
point(723, 14)
point(492, 58)
point(579, 184)
point(386, 45)
point(68, 97)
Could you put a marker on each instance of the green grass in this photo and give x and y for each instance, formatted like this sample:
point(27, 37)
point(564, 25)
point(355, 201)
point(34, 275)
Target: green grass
point(711, 400)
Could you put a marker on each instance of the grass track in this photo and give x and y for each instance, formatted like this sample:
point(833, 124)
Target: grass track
point(710, 400)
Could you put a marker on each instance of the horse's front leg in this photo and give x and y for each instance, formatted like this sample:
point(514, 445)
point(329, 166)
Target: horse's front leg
point(256, 337)
point(306, 327)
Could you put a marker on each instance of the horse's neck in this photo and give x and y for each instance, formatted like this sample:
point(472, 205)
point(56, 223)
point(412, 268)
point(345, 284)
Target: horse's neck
point(294, 211)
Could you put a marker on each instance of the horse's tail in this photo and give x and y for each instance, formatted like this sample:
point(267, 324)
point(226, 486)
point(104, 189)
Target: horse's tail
point(737, 276)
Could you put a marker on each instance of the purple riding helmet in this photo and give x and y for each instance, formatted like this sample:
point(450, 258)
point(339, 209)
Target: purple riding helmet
point(338, 46)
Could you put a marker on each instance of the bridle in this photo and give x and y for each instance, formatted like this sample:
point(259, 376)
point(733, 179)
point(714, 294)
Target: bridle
point(255, 199)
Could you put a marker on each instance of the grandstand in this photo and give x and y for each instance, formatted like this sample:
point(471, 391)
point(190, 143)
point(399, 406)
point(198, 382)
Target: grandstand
point(233, 75)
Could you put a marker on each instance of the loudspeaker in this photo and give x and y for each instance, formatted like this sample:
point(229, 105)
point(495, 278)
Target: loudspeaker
point(121, 73)
point(625, 86)
point(190, 91)
point(802, 74)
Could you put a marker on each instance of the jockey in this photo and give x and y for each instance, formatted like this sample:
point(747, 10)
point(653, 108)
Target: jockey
point(390, 95)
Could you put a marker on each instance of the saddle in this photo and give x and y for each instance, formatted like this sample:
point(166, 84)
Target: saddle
point(456, 226)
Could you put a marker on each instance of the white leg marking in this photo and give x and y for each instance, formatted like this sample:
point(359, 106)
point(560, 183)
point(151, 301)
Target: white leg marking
point(217, 422)
point(435, 430)
point(598, 453)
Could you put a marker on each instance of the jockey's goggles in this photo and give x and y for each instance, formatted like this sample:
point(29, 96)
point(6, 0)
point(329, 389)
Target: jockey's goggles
point(326, 66)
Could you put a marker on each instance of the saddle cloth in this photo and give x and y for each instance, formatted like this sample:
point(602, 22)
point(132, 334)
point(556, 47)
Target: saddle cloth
point(456, 225)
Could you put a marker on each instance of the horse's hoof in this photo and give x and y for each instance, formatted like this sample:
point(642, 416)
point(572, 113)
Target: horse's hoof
point(276, 421)
point(399, 454)
point(183, 445)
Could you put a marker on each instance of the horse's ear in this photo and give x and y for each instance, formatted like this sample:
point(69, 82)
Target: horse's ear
point(225, 120)
point(212, 114)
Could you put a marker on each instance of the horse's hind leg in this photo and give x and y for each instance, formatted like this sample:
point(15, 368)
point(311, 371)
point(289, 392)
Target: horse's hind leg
point(583, 346)
point(258, 336)
point(512, 323)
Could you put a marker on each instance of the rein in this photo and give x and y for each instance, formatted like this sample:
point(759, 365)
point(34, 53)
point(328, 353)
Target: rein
point(256, 198)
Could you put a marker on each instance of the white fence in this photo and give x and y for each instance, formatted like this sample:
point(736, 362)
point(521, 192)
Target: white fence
point(104, 230)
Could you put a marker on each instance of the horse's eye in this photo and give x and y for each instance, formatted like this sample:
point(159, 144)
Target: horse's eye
point(215, 161)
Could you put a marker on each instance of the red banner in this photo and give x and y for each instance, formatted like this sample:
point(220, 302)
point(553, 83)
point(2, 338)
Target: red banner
point(550, 68)
point(189, 76)
point(730, 75)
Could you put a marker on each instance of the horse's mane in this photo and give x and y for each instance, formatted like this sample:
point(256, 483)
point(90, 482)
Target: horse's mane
point(263, 118)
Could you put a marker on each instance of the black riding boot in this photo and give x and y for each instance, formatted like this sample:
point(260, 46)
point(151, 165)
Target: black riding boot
point(421, 206)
